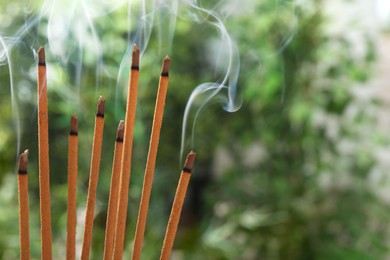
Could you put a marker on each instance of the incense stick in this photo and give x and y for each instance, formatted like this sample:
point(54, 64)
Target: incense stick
point(93, 178)
point(177, 207)
point(43, 146)
point(151, 160)
point(114, 193)
point(72, 189)
point(23, 207)
point(127, 153)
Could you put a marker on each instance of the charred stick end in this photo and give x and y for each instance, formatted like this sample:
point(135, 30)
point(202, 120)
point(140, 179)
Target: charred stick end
point(189, 162)
point(41, 57)
point(23, 161)
point(165, 67)
point(120, 131)
point(135, 58)
point(100, 107)
point(74, 125)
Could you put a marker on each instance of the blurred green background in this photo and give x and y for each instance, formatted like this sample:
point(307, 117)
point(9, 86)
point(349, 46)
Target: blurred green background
point(298, 172)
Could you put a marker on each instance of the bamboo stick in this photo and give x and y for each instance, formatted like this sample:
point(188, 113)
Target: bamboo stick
point(72, 189)
point(44, 168)
point(114, 193)
point(93, 178)
point(151, 160)
point(127, 154)
point(177, 207)
point(24, 228)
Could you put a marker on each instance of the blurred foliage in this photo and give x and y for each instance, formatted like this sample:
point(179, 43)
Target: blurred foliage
point(285, 177)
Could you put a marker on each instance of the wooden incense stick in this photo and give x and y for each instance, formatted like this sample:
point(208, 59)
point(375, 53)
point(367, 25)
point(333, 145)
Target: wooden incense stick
point(43, 147)
point(23, 207)
point(114, 193)
point(93, 178)
point(72, 188)
point(177, 207)
point(151, 160)
point(127, 153)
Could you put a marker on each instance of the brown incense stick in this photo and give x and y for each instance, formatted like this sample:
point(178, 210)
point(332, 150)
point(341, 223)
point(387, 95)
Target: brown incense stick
point(151, 160)
point(114, 193)
point(126, 157)
point(72, 188)
point(177, 207)
point(23, 207)
point(43, 146)
point(93, 178)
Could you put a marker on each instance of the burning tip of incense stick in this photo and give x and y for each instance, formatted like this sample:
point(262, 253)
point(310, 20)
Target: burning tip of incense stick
point(74, 125)
point(135, 58)
point(165, 66)
point(100, 107)
point(23, 161)
point(120, 131)
point(189, 162)
point(41, 57)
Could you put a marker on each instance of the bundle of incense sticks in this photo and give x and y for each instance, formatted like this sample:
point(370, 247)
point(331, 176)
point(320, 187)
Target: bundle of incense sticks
point(120, 178)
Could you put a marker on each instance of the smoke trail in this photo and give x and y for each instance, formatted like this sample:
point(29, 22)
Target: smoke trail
point(71, 26)
point(67, 29)
point(166, 16)
point(140, 22)
point(7, 46)
point(72, 33)
point(6, 59)
point(228, 64)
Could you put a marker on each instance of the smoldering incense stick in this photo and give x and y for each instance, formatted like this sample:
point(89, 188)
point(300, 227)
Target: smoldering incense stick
point(43, 146)
point(93, 178)
point(72, 188)
point(127, 153)
point(151, 160)
point(177, 207)
point(24, 227)
point(114, 193)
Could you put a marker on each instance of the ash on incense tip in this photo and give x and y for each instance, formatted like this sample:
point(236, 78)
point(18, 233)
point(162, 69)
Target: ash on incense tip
point(41, 57)
point(73, 125)
point(165, 66)
point(135, 57)
point(100, 107)
point(23, 161)
point(120, 132)
point(189, 162)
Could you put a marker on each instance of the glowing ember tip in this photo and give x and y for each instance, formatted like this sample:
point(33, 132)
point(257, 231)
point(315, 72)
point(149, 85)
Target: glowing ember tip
point(120, 131)
point(100, 107)
point(23, 161)
point(74, 125)
point(41, 57)
point(165, 66)
point(189, 162)
point(135, 58)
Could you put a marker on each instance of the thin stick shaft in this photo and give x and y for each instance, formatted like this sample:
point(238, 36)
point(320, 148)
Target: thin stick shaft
point(44, 169)
point(151, 162)
point(175, 215)
point(114, 195)
point(93, 180)
point(177, 206)
point(72, 190)
point(126, 157)
point(24, 228)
